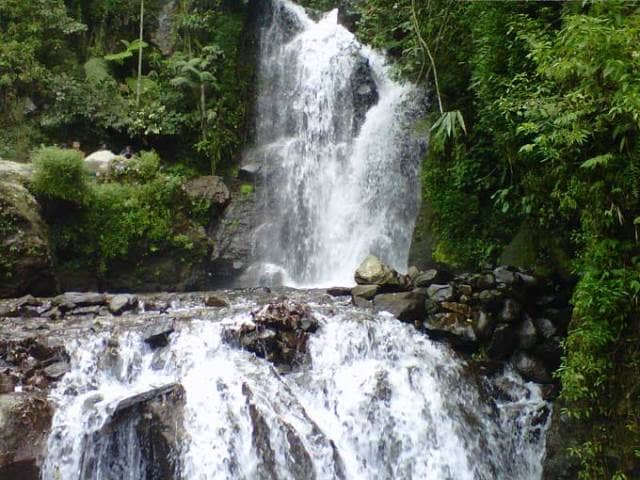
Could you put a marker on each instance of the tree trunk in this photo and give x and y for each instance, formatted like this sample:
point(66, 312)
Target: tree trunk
point(139, 84)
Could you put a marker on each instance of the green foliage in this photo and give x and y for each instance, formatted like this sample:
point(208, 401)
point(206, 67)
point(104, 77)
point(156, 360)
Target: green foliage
point(60, 175)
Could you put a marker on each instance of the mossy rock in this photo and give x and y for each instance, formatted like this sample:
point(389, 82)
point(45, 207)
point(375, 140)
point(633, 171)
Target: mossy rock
point(539, 251)
point(26, 264)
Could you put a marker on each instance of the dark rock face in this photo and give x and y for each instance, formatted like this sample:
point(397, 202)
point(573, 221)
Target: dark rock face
point(364, 91)
point(279, 332)
point(26, 264)
point(405, 306)
point(531, 368)
point(233, 241)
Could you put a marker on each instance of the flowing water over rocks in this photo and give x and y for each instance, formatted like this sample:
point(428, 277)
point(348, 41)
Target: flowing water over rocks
point(336, 150)
point(371, 398)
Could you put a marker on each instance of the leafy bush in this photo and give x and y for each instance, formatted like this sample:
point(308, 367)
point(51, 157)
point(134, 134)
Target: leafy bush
point(60, 175)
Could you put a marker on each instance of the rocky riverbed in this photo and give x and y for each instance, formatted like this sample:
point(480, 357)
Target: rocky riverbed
point(503, 318)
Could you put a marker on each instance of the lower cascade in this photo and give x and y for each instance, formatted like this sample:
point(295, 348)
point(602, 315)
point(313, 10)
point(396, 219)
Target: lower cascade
point(367, 397)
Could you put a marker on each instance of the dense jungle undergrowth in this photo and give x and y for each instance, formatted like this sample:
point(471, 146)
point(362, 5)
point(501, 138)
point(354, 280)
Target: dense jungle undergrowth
point(534, 159)
point(173, 77)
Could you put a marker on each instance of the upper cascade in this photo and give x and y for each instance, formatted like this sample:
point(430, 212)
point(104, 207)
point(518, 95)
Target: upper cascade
point(337, 150)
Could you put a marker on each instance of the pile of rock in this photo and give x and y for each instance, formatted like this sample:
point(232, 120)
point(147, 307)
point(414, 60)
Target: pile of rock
point(506, 314)
point(278, 332)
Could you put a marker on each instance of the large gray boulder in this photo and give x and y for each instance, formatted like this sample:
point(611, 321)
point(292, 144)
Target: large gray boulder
point(209, 189)
point(373, 272)
point(26, 264)
point(98, 163)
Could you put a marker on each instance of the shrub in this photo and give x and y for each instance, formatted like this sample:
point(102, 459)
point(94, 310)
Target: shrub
point(60, 175)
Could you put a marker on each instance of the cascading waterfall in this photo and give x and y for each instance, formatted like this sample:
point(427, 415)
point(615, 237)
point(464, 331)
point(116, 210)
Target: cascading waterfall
point(336, 145)
point(375, 400)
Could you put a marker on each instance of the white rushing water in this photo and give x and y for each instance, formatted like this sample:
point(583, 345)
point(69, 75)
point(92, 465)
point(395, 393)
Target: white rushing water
point(375, 400)
point(336, 145)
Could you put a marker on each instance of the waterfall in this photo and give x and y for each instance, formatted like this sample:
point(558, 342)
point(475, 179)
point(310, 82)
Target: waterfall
point(336, 145)
point(374, 399)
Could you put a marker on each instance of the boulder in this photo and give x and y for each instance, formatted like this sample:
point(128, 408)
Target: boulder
point(26, 263)
point(156, 332)
point(432, 276)
point(441, 293)
point(215, 301)
point(361, 302)
point(483, 324)
point(531, 368)
point(98, 162)
point(491, 299)
point(279, 332)
point(502, 342)
point(510, 311)
point(208, 189)
point(373, 272)
point(527, 334)
point(455, 328)
point(365, 291)
point(121, 303)
point(70, 300)
point(482, 281)
point(545, 327)
point(405, 306)
point(506, 275)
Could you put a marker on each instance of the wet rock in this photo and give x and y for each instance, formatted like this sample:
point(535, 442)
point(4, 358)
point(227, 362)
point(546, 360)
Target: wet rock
point(373, 272)
point(484, 324)
point(121, 303)
point(56, 370)
point(491, 299)
point(432, 276)
point(510, 311)
point(455, 328)
point(550, 353)
point(405, 306)
point(365, 291)
point(465, 290)
point(531, 368)
point(279, 332)
point(362, 302)
point(527, 334)
point(441, 293)
point(70, 300)
point(156, 333)
point(483, 281)
point(545, 327)
point(25, 420)
point(215, 301)
point(234, 241)
point(506, 275)
point(339, 291)
point(502, 342)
